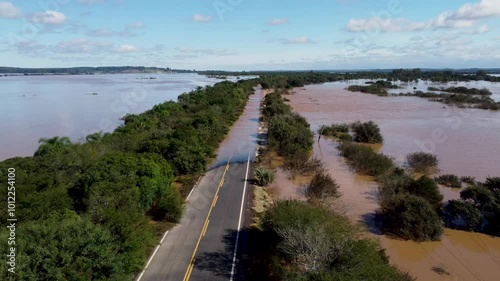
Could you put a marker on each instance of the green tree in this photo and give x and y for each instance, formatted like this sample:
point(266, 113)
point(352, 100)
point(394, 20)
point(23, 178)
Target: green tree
point(52, 145)
point(410, 217)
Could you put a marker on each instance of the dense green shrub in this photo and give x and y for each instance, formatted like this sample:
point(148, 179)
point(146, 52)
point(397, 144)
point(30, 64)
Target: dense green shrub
point(322, 186)
point(334, 129)
point(449, 180)
point(364, 160)
point(288, 132)
point(410, 217)
point(467, 215)
point(422, 162)
point(427, 188)
point(367, 132)
point(312, 243)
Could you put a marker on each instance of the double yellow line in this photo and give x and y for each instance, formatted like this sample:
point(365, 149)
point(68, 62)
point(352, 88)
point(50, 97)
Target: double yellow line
point(205, 226)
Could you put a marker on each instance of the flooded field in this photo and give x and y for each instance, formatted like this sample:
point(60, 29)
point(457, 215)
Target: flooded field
point(471, 147)
point(33, 107)
point(466, 141)
point(424, 85)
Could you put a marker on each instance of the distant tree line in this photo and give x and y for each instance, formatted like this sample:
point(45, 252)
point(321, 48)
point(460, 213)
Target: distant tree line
point(88, 70)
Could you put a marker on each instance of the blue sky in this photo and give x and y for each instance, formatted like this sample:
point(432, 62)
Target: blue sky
point(251, 34)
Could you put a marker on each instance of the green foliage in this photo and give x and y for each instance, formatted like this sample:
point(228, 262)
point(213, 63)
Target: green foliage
point(364, 160)
point(449, 180)
point(304, 164)
point(322, 186)
point(426, 188)
point(463, 90)
point(422, 162)
point(375, 89)
point(66, 247)
point(410, 217)
point(52, 145)
point(289, 133)
point(334, 129)
point(463, 215)
point(312, 243)
point(264, 177)
point(367, 132)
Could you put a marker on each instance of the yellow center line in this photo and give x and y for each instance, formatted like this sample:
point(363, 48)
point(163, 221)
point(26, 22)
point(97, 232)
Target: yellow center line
point(205, 226)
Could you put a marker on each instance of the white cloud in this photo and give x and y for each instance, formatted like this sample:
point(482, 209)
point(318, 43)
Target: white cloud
point(465, 17)
point(211, 52)
point(9, 11)
point(135, 25)
point(48, 17)
point(200, 18)
point(383, 25)
point(483, 9)
point(297, 40)
point(278, 21)
point(125, 49)
point(82, 46)
point(482, 29)
point(106, 32)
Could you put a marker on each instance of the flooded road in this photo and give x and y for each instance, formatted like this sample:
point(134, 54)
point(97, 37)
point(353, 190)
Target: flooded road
point(471, 147)
point(32, 107)
point(242, 138)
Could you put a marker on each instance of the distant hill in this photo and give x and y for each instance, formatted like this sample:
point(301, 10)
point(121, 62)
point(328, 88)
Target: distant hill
point(90, 70)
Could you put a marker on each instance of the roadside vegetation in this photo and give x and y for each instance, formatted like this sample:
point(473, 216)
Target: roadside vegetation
point(94, 210)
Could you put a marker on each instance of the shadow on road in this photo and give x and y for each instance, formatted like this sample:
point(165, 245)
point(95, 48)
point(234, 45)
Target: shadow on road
point(220, 263)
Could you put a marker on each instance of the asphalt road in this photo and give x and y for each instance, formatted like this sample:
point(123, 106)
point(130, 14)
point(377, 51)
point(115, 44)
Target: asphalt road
point(207, 244)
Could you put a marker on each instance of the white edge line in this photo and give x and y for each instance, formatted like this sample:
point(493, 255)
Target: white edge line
point(187, 198)
point(149, 261)
point(239, 221)
point(164, 235)
point(196, 184)
point(140, 276)
point(152, 256)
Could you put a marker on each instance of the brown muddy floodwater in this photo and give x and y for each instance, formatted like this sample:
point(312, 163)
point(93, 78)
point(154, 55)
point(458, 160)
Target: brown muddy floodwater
point(466, 142)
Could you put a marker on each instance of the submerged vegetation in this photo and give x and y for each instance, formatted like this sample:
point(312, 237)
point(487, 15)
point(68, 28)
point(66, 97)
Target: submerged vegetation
point(364, 160)
point(92, 210)
point(422, 162)
point(478, 208)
